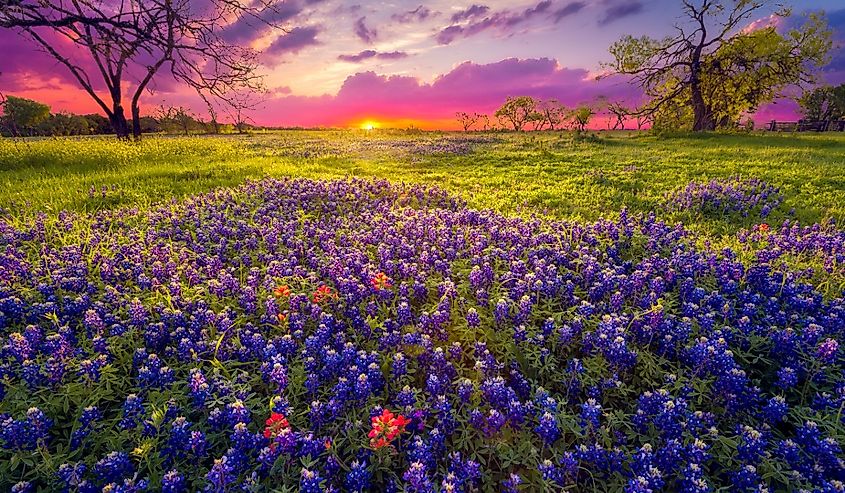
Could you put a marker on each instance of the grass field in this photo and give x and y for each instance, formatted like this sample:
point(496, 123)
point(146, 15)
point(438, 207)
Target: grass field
point(512, 329)
point(560, 174)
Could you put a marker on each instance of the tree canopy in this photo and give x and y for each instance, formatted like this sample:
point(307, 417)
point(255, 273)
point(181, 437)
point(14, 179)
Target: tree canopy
point(21, 116)
point(823, 103)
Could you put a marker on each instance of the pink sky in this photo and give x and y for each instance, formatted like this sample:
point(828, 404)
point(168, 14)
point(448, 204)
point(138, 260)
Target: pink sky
point(403, 63)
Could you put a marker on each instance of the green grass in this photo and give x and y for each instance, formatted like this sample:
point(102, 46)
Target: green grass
point(570, 177)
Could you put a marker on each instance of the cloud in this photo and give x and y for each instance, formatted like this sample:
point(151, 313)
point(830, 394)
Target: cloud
point(294, 41)
point(468, 87)
point(502, 20)
point(365, 33)
point(368, 54)
point(470, 13)
point(419, 14)
point(619, 10)
point(247, 28)
point(570, 9)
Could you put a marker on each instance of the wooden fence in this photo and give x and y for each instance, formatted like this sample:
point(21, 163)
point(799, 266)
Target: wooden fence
point(807, 126)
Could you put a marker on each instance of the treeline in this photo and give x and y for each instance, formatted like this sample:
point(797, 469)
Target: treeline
point(23, 117)
point(521, 113)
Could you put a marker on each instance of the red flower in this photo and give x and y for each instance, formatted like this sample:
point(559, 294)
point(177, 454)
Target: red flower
point(324, 293)
point(283, 291)
point(282, 317)
point(274, 425)
point(381, 281)
point(386, 427)
point(763, 227)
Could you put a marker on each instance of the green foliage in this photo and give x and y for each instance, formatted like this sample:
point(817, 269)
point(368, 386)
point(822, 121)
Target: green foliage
point(823, 103)
point(21, 116)
point(517, 111)
point(721, 77)
point(581, 116)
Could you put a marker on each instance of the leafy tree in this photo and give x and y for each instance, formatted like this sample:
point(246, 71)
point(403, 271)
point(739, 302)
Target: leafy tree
point(129, 43)
point(581, 116)
point(548, 113)
point(517, 111)
point(467, 120)
point(716, 67)
point(64, 124)
point(22, 116)
point(823, 103)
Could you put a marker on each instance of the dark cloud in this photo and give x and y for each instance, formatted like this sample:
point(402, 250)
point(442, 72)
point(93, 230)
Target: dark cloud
point(620, 10)
point(295, 41)
point(419, 14)
point(570, 9)
point(368, 54)
point(470, 13)
point(366, 34)
point(502, 20)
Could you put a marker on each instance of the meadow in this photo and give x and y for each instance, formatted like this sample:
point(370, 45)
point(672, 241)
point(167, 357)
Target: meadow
point(406, 311)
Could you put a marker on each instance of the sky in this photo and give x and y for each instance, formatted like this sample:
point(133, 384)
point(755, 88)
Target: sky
point(402, 62)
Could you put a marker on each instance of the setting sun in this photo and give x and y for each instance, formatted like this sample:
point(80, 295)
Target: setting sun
point(369, 125)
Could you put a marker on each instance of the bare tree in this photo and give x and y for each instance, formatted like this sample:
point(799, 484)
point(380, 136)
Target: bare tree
point(643, 118)
point(552, 112)
point(467, 120)
point(620, 112)
point(129, 42)
point(239, 105)
point(485, 121)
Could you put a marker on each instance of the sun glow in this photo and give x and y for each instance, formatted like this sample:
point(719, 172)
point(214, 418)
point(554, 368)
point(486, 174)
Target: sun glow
point(369, 125)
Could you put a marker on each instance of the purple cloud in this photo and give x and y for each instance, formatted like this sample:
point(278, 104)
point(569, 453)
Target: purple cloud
point(365, 33)
point(470, 13)
point(618, 11)
point(570, 9)
point(502, 20)
point(368, 54)
point(249, 27)
point(295, 41)
point(419, 14)
point(468, 87)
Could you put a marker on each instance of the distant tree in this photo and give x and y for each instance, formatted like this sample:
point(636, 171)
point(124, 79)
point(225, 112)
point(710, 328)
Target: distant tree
point(716, 66)
point(581, 116)
point(485, 122)
point(823, 103)
point(65, 124)
point(214, 125)
point(620, 112)
point(467, 120)
point(177, 118)
point(643, 119)
point(517, 111)
point(129, 42)
point(239, 106)
point(100, 125)
point(552, 112)
point(22, 116)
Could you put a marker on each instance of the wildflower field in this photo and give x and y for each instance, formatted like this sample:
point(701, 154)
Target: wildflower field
point(389, 311)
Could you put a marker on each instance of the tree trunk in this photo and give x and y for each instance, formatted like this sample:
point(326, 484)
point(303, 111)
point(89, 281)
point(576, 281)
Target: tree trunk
point(136, 122)
point(119, 123)
point(702, 117)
